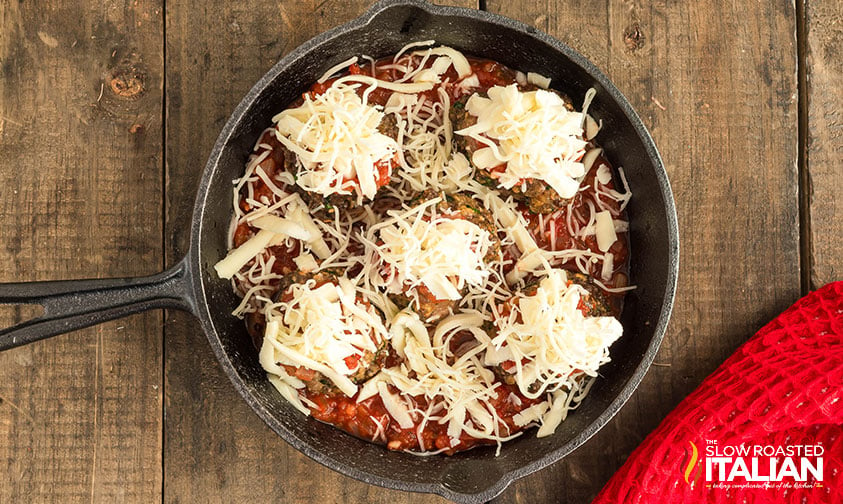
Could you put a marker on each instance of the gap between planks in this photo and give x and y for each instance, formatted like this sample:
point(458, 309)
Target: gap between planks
point(163, 313)
point(804, 190)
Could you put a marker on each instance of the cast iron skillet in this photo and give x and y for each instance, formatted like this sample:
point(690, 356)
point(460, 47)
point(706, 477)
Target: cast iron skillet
point(192, 285)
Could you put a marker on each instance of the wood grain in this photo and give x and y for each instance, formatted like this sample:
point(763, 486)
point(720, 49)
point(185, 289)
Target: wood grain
point(81, 178)
point(824, 43)
point(217, 449)
point(718, 91)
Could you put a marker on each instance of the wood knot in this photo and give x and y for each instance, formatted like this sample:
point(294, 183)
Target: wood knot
point(136, 128)
point(633, 37)
point(127, 82)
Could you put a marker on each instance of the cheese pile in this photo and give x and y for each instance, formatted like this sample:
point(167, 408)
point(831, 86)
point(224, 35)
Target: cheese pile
point(531, 133)
point(422, 248)
point(320, 328)
point(335, 138)
point(548, 339)
point(460, 386)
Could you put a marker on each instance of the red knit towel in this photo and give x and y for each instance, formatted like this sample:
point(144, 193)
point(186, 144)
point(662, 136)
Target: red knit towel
point(782, 388)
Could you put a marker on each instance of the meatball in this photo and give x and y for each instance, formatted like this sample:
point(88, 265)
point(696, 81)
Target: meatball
point(536, 194)
point(462, 206)
point(454, 206)
point(327, 205)
point(364, 365)
point(593, 303)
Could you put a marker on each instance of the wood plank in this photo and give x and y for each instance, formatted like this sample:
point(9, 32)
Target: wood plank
point(81, 143)
point(824, 44)
point(216, 449)
point(718, 91)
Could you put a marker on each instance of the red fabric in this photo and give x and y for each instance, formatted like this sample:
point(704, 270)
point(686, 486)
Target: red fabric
point(782, 387)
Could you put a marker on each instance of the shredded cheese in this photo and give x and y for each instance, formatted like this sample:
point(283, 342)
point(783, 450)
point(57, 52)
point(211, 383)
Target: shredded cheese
point(395, 406)
point(457, 59)
point(538, 80)
point(299, 213)
point(305, 262)
point(336, 68)
point(238, 257)
point(605, 230)
point(320, 328)
point(442, 253)
point(336, 141)
point(549, 340)
point(282, 226)
point(288, 393)
point(460, 386)
point(531, 133)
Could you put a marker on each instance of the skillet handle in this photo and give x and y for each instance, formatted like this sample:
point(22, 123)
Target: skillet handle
point(74, 304)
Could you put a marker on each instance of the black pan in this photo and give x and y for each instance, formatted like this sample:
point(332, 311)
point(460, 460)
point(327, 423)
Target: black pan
point(192, 285)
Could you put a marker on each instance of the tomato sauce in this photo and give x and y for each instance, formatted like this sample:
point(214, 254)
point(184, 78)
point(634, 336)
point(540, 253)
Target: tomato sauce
point(369, 420)
point(541, 229)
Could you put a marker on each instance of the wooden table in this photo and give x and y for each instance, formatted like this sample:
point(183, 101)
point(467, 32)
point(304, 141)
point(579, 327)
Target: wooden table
point(108, 111)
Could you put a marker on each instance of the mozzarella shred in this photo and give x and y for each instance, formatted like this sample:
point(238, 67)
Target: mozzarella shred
point(532, 134)
point(459, 61)
point(282, 226)
point(510, 220)
point(538, 80)
point(395, 406)
point(305, 262)
point(561, 403)
point(335, 138)
point(288, 393)
point(428, 160)
point(238, 257)
point(298, 212)
point(320, 328)
point(531, 414)
point(588, 162)
point(336, 68)
point(555, 415)
point(605, 230)
point(608, 266)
